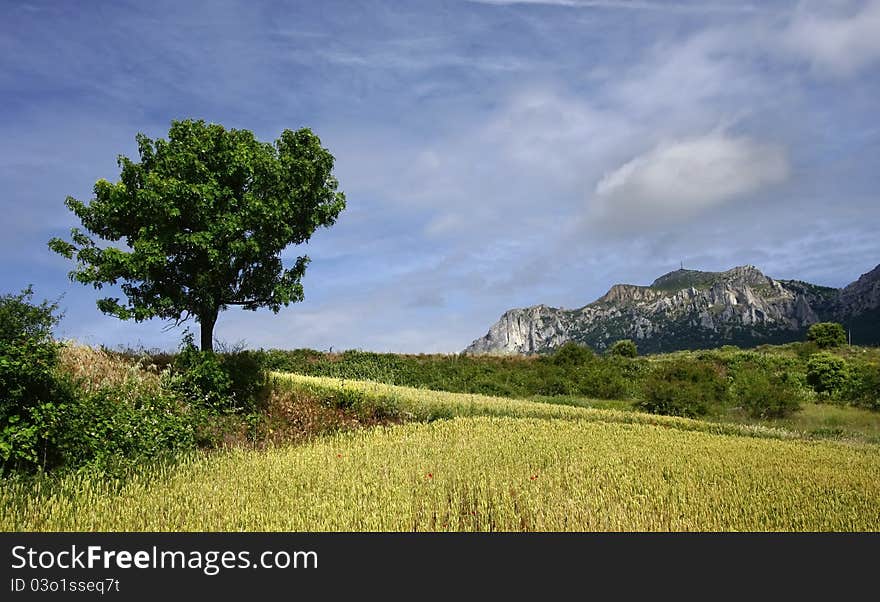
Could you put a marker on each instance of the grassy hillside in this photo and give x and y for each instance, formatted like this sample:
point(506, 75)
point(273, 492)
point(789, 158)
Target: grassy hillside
point(498, 464)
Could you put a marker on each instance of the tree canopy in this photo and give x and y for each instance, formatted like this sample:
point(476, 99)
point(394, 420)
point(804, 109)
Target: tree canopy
point(827, 334)
point(204, 217)
point(624, 348)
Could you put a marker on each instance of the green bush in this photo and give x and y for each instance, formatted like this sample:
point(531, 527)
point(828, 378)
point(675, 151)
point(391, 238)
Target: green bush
point(571, 370)
point(572, 354)
point(624, 348)
point(805, 350)
point(827, 335)
point(31, 394)
point(231, 382)
point(827, 373)
point(684, 388)
point(766, 395)
point(248, 378)
point(862, 389)
point(118, 426)
point(576, 370)
point(200, 377)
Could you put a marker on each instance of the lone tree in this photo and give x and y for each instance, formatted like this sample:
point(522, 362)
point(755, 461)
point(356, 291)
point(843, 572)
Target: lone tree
point(624, 348)
point(827, 334)
point(204, 216)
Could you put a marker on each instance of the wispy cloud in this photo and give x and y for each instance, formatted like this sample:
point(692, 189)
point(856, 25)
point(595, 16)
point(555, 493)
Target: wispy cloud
point(837, 40)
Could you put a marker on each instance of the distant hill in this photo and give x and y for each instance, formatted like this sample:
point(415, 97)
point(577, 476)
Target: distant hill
point(690, 309)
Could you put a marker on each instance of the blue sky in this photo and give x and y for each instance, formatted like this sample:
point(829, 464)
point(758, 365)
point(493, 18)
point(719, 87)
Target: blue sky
point(494, 154)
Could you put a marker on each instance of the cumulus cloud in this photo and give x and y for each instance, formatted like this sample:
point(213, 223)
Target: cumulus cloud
point(839, 43)
point(679, 179)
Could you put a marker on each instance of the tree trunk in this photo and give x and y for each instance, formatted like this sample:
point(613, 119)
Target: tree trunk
point(207, 322)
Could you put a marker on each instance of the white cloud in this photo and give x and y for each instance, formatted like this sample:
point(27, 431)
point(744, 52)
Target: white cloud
point(679, 179)
point(836, 44)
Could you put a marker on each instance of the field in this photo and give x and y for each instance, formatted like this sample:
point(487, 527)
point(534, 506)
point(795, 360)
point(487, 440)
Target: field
point(464, 462)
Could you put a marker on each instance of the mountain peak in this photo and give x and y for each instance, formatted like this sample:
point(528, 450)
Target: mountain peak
point(682, 278)
point(686, 309)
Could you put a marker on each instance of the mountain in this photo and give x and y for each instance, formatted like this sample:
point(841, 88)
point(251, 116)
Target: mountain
point(690, 309)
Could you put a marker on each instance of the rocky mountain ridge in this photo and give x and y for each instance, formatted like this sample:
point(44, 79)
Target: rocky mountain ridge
point(688, 309)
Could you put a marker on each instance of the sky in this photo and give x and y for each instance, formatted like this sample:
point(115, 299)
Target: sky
point(494, 153)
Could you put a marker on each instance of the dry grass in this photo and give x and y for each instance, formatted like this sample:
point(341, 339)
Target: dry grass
point(291, 417)
point(96, 369)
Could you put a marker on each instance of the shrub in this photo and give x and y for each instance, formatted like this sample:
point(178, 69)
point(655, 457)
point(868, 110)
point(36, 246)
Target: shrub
point(200, 378)
point(684, 388)
point(228, 382)
point(863, 387)
point(113, 427)
point(766, 395)
point(31, 394)
point(827, 373)
point(248, 378)
point(827, 334)
point(603, 379)
point(804, 350)
point(624, 348)
point(572, 354)
point(576, 370)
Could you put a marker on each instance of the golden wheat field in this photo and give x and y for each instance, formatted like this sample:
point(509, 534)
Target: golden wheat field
point(523, 467)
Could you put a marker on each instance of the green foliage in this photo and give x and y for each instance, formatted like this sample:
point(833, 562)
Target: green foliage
point(115, 427)
point(248, 379)
point(766, 395)
point(684, 388)
point(30, 392)
point(572, 354)
point(827, 335)
point(862, 389)
point(20, 319)
point(206, 215)
point(577, 372)
point(574, 370)
point(47, 421)
point(624, 348)
point(682, 279)
point(827, 373)
point(200, 378)
point(805, 349)
point(230, 382)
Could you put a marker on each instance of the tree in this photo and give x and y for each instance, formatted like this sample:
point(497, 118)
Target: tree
point(827, 334)
point(827, 373)
point(572, 354)
point(205, 216)
point(624, 348)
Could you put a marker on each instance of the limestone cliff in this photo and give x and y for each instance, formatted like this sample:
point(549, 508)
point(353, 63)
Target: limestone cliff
point(688, 309)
